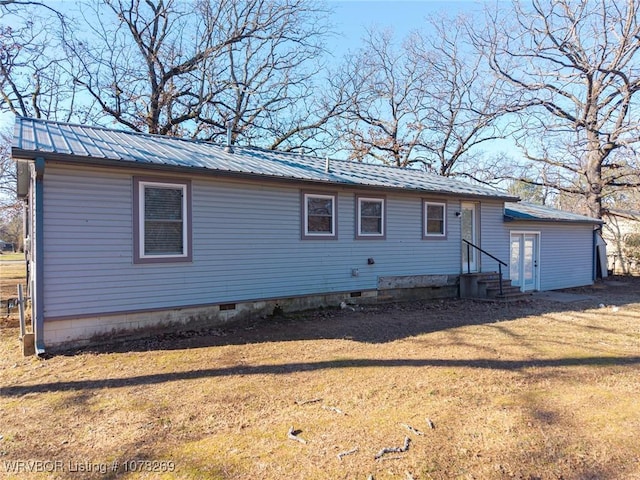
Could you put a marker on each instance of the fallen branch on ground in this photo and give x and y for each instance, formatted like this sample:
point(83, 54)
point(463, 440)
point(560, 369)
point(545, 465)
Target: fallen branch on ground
point(293, 435)
point(411, 429)
point(348, 452)
point(386, 450)
point(333, 409)
point(304, 402)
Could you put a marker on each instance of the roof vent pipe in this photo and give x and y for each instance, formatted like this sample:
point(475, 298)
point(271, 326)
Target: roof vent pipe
point(228, 148)
point(327, 167)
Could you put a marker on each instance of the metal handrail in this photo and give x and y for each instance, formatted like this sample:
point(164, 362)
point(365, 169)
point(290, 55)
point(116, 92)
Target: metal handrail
point(500, 262)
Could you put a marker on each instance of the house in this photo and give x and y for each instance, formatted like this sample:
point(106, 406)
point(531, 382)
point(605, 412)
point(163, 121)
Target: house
point(622, 234)
point(552, 249)
point(127, 232)
point(7, 247)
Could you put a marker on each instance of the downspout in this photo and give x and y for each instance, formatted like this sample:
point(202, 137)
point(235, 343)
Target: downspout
point(594, 256)
point(38, 236)
point(594, 274)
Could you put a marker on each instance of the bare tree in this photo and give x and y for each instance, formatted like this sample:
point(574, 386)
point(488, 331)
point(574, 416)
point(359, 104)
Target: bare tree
point(33, 82)
point(192, 69)
point(576, 67)
point(464, 104)
point(10, 208)
point(137, 63)
point(7, 171)
point(272, 91)
point(430, 102)
point(33, 79)
point(310, 124)
point(383, 121)
point(13, 5)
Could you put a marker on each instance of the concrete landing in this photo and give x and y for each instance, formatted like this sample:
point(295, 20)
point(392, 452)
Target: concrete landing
point(561, 297)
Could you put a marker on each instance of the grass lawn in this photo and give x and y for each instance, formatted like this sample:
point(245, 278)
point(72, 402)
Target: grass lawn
point(11, 256)
point(12, 272)
point(538, 389)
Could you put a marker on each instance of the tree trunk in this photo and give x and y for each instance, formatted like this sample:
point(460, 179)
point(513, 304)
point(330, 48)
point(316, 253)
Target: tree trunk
point(595, 182)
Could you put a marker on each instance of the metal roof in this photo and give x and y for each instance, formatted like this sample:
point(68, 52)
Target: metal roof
point(85, 144)
point(524, 211)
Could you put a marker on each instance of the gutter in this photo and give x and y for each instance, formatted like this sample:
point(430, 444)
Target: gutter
point(511, 218)
point(597, 233)
point(38, 297)
point(594, 256)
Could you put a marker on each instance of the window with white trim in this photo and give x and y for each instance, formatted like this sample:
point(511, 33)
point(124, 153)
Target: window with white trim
point(370, 221)
point(162, 226)
point(435, 219)
point(319, 215)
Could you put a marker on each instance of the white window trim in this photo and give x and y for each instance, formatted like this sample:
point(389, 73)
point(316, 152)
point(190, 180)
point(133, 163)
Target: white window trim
point(425, 219)
point(359, 232)
point(306, 234)
point(140, 256)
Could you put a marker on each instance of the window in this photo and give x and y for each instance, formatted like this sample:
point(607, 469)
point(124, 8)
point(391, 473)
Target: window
point(370, 222)
point(435, 224)
point(319, 215)
point(162, 221)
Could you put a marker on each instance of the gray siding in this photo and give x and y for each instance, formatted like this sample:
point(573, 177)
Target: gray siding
point(246, 245)
point(566, 252)
point(493, 238)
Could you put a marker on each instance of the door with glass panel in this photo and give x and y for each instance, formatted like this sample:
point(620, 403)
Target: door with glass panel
point(523, 267)
point(468, 214)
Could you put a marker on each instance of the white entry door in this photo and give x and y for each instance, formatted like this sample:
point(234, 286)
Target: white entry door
point(469, 255)
point(525, 258)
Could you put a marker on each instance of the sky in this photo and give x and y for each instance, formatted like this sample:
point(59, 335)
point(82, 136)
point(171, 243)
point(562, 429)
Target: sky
point(351, 18)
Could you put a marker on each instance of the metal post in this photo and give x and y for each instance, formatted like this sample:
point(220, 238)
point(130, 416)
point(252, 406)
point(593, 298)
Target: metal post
point(500, 276)
point(468, 258)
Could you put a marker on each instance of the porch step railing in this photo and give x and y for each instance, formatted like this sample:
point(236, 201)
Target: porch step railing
point(500, 262)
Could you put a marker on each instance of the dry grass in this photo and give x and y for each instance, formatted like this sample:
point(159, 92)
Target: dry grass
point(532, 390)
point(11, 273)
